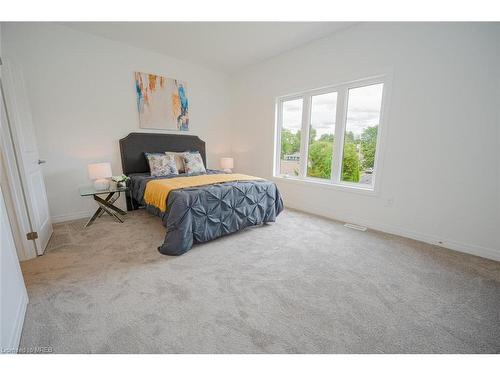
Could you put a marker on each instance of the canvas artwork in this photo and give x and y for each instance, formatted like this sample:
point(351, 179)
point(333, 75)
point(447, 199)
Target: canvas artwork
point(162, 102)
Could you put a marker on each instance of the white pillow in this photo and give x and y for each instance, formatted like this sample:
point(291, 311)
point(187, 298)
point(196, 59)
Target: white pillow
point(161, 164)
point(193, 162)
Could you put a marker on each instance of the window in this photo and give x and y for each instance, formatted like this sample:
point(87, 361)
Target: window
point(330, 135)
point(361, 129)
point(291, 116)
point(321, 135)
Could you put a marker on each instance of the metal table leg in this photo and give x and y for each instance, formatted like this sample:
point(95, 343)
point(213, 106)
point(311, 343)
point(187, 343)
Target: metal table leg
point(111, 198)
point(94, 216)
point(111, 213)
point(106, 205)
point(109, 205)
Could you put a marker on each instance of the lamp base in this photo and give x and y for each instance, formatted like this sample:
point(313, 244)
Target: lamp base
point(228, 170)
point(101, 184)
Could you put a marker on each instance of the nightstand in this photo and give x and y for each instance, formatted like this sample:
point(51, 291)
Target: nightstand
point(106, 204)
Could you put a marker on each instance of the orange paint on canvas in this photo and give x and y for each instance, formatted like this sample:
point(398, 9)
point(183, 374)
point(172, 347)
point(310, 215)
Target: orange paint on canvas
point(176, 106)
point(152, 82)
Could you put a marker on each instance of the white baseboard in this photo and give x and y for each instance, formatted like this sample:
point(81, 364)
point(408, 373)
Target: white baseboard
point(72, 216)
point(477, 250)
point(480, 251)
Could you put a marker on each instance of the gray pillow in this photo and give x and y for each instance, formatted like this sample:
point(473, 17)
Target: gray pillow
point(161, 164)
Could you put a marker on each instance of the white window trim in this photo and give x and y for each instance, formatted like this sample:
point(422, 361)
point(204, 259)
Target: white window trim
point(335, 181)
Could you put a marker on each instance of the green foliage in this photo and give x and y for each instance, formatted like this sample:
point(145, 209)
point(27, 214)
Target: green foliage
point(350, 163)
point(290, 142)
point(349, 137)
point(321, 152)
point(326, 138)
point(368, 146)
point(320, 159)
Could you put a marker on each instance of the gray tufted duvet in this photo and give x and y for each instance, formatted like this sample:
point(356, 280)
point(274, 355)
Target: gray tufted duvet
point(203, 213)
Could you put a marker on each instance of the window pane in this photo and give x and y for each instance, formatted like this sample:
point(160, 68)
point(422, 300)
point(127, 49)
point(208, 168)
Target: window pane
point(321, 133)
point(290, 137)
point(360, 139)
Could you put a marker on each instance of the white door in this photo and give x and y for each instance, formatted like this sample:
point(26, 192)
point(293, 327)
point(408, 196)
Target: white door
point(29, 163)
point(26, 249)
point(13, 295)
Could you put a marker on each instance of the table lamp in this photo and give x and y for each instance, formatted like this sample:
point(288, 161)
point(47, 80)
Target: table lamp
point(227, 164)
point(100, 173)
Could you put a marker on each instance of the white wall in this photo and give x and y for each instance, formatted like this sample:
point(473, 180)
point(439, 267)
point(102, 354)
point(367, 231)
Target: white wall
point(82, 97)
point(441, 155)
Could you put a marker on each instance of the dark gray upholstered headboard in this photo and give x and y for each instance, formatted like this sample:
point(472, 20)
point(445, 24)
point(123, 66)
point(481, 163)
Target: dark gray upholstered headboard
point(133, 146)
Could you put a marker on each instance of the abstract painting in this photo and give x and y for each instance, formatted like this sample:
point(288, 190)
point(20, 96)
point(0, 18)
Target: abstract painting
point(162, 102)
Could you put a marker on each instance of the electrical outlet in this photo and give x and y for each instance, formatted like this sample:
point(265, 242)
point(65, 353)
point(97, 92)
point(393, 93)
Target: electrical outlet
point(389, 202)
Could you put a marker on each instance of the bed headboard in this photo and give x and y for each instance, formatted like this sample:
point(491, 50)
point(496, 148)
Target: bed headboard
point(133, 146)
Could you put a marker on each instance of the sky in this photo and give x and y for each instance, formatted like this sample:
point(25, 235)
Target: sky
point(363, 110)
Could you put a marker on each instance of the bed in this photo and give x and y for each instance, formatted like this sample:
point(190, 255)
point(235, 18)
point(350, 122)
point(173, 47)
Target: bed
point(195, 214)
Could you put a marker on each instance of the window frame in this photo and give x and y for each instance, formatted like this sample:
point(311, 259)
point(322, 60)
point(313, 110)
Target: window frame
point(342, 91)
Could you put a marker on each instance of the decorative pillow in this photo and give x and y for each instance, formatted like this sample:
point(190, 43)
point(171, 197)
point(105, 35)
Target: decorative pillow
point(179, 160)
point(193, 163)
point(161, 164)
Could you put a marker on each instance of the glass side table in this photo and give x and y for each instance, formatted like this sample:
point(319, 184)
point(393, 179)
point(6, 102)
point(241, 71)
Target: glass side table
point(106, 204)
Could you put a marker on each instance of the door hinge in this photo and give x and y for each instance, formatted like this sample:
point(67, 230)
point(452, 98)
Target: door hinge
point(32, 235)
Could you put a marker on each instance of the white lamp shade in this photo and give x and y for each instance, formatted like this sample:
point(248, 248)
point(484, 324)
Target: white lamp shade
point(99, 170)
point(227, 163)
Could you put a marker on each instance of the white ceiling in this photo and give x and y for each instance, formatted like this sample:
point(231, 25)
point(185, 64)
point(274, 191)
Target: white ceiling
point(224, 46)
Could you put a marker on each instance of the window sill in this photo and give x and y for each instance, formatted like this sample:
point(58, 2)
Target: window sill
point(327, 185)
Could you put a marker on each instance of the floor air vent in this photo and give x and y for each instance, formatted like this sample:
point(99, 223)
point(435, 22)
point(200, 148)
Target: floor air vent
point(354, 226)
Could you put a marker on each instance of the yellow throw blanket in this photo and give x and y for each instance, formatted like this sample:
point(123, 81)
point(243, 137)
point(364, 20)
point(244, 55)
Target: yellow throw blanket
point(157, 191)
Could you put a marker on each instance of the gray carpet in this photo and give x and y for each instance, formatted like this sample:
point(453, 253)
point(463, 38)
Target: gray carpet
point(302, 285)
